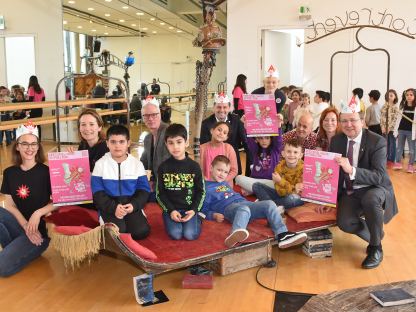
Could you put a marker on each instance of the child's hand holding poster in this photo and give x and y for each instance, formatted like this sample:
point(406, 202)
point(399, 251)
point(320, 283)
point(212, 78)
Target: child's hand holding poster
point(70, 178)
point(261, 116)
point(320, 177)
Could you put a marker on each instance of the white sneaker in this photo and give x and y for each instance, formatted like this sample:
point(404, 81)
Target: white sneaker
point(289, 239)
point(238, 236)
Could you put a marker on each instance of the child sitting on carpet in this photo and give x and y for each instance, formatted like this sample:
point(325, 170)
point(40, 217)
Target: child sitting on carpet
point(287, 178)
point(222, 202)
point(180, 187)
point(120, 187)
point(218, 146)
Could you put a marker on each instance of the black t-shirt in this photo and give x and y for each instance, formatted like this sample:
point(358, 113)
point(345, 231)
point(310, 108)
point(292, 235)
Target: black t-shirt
point(95, 152)
point(30, 190)
point(404, 123)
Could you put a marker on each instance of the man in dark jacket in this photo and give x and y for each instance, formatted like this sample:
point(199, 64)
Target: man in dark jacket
point(237, 137)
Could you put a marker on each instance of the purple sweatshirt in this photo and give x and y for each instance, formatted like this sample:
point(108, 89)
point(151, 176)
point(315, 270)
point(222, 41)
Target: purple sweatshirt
point(263, 166)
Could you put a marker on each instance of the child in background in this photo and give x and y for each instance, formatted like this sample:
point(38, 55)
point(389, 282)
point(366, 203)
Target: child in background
point(217, 146)
point(180, 187)
point(120, 187)
point(287, 177)
point(389, 113)
point(265, 152)
point(319, 105)
point(304, 105)
point(405, 129)
point(373, 112)
point(360, 92)
point(222, 202)
point(296, 96)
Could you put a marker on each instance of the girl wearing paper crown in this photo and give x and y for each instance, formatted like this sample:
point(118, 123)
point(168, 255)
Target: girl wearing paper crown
point(27, 188)
point(271, 83)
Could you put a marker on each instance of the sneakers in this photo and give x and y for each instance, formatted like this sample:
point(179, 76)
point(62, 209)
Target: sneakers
point(390, 164)
point(397, 166)
point(410, 169)
point(238, 236)
point(289, 239)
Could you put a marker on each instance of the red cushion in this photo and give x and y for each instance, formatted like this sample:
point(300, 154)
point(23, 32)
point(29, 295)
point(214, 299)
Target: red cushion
point(307, 213)
point(71, 230)
point(135, 247)
point(74, 216)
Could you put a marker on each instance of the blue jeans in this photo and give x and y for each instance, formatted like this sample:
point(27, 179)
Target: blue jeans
point(241, 213)
point(402, 137)
point(189, 230)
point(18, 251)
point(391, 147)
point(8, 136)
point(264, 192)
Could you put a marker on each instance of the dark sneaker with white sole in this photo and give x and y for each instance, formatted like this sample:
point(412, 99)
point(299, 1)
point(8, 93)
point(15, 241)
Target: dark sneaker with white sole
point(238, 236)
point(289, 239)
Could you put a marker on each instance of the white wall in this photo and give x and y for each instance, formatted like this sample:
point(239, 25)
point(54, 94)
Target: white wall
point(246, 20)
point(167, 57)
point(43, 20)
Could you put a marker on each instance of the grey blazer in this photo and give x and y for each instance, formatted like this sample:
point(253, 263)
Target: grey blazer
point(371, 169)
point(160, 152)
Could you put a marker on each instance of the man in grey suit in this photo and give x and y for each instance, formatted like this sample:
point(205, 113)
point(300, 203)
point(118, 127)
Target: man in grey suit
point(365, 193)
point(155, 151)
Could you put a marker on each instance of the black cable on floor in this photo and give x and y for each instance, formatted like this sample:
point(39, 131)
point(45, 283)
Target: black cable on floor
point(268, 265)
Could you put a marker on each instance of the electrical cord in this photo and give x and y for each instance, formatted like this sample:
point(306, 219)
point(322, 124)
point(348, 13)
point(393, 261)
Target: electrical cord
point(268, 265)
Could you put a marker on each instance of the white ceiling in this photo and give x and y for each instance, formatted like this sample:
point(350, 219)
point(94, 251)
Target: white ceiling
point(134, 18)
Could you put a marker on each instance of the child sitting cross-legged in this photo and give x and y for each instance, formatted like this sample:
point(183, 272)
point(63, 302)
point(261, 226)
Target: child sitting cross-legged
point(180, 187)
point(120, 187)
point(221, 202)
point(287, 178)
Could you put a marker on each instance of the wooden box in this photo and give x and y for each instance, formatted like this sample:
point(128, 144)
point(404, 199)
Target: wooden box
point(241, 260)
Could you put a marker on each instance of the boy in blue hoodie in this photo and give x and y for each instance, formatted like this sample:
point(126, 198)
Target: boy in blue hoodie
point(221, 202)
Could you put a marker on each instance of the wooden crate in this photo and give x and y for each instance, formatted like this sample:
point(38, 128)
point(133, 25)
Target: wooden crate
point(242, 260)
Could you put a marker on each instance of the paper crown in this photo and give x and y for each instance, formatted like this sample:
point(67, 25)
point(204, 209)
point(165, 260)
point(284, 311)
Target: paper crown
point(353, 106)
point(151, 100)
point(271, 72)
point(28, 128)
point(221, 98)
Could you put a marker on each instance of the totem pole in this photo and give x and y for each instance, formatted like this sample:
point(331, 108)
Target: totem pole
point(211, 40)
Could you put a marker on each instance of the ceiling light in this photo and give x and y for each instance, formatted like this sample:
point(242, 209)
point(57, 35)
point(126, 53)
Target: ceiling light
point(91, 21)
point(170, 27)
point(125, 7)
point(105, 26)
point(108, 0)
point(179, 31)
point(139, 13)
point(144, 28)
point(65, 22)
point(94, 30)
point(121, 21)
point(152, 18)
point(105, 33)
point(107, 14)
point(79, 27)
point(71, 2)
point(154, 32)
point(162, 23)
point(134, 25)
point(90, 9)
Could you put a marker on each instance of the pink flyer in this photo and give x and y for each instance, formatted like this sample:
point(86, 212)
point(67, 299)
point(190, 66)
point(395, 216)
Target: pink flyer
point(70, 178)
point(260, 113)
point(320, 177)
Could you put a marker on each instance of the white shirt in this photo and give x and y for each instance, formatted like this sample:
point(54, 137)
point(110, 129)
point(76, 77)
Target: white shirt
point(355, 155)
point(316, 110)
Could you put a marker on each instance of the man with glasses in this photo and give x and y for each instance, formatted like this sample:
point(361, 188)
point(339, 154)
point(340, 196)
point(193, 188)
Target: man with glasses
point(155, 151)
point(303, 132)
point(365, 194)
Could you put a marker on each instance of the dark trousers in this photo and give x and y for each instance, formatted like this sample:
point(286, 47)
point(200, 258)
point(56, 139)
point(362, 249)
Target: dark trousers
point(134, 223)
point(361, 213)
point(375, 128)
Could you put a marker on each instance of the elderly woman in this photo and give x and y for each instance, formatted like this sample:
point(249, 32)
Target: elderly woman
point(328, 127)
point(271, 83)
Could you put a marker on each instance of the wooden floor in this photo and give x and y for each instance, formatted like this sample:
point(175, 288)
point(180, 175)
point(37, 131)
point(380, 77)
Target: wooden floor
point(106, 284)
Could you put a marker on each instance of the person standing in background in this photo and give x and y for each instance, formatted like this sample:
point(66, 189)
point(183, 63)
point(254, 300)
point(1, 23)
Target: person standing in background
point(373, 112)
point(239, 90)
point(35, 94)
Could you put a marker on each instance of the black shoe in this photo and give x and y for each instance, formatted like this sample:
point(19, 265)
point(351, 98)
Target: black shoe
point(373, 259)
point(289, 239)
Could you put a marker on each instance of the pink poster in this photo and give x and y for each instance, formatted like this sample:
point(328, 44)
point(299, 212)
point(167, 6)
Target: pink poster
point(320, 177)
point(70, 178)
point(261, 115)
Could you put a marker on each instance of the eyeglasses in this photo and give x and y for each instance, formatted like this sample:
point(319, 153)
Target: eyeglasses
point(26, 145)
point(150, 116)
point(352, 121)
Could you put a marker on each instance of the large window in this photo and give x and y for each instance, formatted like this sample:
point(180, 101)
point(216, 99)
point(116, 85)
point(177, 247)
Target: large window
point(20, 59)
